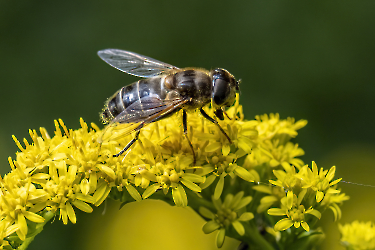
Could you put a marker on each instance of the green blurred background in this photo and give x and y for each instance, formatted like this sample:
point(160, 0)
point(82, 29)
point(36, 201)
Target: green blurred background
point(311, 61)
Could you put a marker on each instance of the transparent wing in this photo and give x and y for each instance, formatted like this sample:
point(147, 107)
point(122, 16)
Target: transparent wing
point(133, 63)
point(138, 115)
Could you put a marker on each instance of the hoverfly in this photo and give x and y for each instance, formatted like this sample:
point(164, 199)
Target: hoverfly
point(165, 90)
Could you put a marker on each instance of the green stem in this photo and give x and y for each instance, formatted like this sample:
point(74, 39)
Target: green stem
point(47, 217)
point(195, 201)
point(252, 237)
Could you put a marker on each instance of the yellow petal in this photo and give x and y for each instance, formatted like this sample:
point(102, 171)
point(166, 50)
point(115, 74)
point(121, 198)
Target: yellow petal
point(40, 176)
point(179, 196)
point(289, 199)
point(85, 198)
point(150, 190)
point(305, 226)
point(276, 212)
point(244, 174)
point(21, 235)
point(193, 177)
point(335, 182)
point(101, 192)
point(213, 147)
point(106, 193)
point(246, 216)
point(238, 227)
point(13, 228)
point(219, 187)
point(64, 215)
point(83, 206)
point(107, 170)
point(319, 196)
point(71, 213)
point(138, 180)
point(263, 188)
point(84, 186)
point(331, 173)
point(225, 149)
point(220, 237)
point(33, 217)
point(21, 221)
point(314, 212)
point(245, 144)
point(268, 199)
point(72, 172)
point(191, 185)
point(283, 224)
point(314, 168)
point(209, 180)
point(210, 227)
point(93, 181)
point(38, 207)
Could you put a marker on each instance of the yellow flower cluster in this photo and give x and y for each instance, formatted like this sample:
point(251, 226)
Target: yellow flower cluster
point(358, 235)
point(77, 169)
point(307, 192)
point(273, 146)
point(72, 170)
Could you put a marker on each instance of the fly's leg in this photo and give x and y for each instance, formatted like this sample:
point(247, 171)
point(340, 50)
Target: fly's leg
point(219, 113)
point(216, 123)
point(227, 115)
point(128, 145)
point(184, 122)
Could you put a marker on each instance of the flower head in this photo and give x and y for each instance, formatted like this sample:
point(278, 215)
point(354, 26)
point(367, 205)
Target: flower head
point(291, 207)
point(315, 192)
point(272, 146)
point(358, 235)
point(229, 213)
point(318, 180)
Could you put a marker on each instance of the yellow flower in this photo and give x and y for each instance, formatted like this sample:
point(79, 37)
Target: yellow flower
point(311, 185)
point(292, 208)
point(286, 179)
point(270, 126)
point(318, 180)
point(228, 214)
point(16, 198)
point(272, 146)
point(358, 235)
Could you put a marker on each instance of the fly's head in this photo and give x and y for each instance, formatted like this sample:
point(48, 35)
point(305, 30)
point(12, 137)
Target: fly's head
point(224, 88)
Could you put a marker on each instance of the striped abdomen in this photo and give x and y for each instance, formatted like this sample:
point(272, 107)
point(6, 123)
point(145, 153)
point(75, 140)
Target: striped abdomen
point(130, 94)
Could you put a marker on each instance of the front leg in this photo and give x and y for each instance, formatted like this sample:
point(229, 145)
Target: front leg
point(216, 123)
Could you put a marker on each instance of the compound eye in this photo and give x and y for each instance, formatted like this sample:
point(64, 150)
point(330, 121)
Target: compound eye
point(221, 91)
